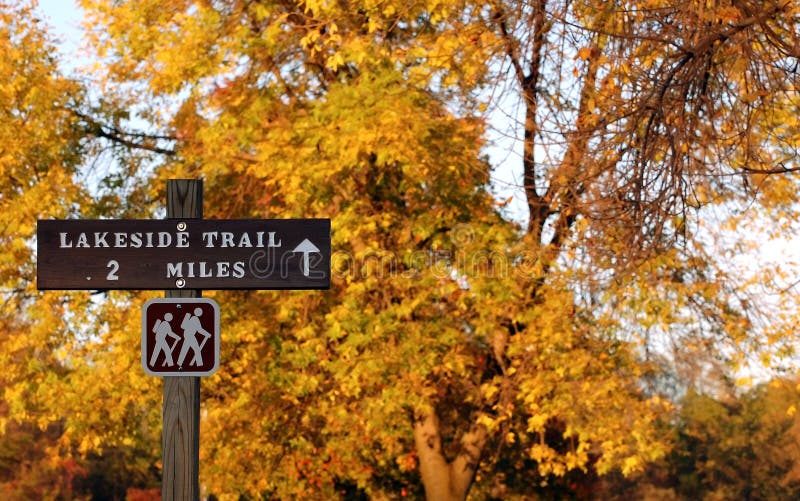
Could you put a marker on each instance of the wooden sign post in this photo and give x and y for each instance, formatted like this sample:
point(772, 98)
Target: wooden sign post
point(182, 255)
point(180, 435)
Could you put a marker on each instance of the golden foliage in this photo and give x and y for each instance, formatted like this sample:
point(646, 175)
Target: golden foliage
point(530, 345)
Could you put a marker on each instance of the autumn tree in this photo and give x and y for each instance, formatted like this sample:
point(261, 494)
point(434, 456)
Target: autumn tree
point(740, 444)
point(744, 447)
point(39, 152)
point(46, 151)
point(457, 352)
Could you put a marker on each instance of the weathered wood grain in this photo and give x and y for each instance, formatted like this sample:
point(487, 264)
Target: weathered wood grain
point(180, 436)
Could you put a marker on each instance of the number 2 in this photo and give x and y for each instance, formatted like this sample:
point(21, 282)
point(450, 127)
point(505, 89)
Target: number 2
point(112, 274)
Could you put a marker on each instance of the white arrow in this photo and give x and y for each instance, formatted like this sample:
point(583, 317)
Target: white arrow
point(306, 247)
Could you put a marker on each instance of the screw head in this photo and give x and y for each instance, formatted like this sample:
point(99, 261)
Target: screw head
point(180, 283)
point(181, 226)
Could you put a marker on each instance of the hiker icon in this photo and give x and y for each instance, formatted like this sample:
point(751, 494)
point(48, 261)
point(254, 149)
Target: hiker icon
point(191, 327)
point(180, 337)
point(163, 331)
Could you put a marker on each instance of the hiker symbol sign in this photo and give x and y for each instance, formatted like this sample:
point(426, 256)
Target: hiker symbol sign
point(180, 337)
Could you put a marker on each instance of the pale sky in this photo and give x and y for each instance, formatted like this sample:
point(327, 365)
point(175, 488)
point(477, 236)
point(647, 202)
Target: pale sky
point(64, 16)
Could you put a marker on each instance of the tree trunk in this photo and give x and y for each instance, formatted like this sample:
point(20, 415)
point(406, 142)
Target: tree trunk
point(446, 480)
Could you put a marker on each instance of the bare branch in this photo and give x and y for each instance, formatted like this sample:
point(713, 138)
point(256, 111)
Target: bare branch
point(129, 139)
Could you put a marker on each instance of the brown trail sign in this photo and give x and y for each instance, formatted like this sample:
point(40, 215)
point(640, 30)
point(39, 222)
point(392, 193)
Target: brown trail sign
point(183, 255)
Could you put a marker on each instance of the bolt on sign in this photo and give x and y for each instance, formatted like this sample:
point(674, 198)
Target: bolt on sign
point(177, 254)
point(180, 337)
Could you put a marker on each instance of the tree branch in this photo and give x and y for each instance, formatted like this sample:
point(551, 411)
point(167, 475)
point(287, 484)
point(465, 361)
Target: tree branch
point(133, 140)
